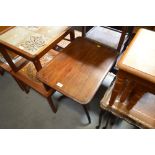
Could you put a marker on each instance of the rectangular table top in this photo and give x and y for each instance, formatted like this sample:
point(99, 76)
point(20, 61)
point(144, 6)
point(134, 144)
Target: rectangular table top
point(139, 57)
point(32, 39)
point(78, 70)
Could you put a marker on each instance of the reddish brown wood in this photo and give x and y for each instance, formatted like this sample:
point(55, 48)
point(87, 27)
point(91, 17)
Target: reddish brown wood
point(127, 90)
point(1, 71)
point(124, 32)
point(135, 96)
point(8, 58)
point(5, 28)
point(54, 109)
point(118, 87)
point(83, 31)
point(79, 69)
point(72, 35)
point(4, 67)
point(37, 64)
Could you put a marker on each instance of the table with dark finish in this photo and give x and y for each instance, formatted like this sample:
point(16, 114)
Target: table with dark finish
point(78, 71)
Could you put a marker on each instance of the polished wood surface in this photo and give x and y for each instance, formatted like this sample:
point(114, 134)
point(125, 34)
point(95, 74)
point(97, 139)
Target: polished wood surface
point(141, 115)
point(79, 69)
point(138, 59)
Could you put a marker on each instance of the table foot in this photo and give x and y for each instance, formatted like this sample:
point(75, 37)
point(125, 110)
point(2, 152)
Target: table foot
point(128, 89)
point(100, 119)
point(118, 87)
point(87, 113)
point(137, 93)
point(107, 122)
point(49, 99)
point(2, 71)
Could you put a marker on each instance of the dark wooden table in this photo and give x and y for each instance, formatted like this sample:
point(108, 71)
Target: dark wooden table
point(78, 71)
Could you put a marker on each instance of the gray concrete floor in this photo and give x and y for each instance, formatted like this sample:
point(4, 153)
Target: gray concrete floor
point(31, 111)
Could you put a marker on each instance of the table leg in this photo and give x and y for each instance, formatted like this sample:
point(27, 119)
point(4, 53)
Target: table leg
point(26, 87)
point(47, 88)
point(100, 119)
point(37, 65)
point(135, 96)
point(128, 89)
point(72, 35)
point(1, 71)
point(83, 31)
point(49, 99)
point(8, 59)
point(87, 113)
point(107, 121)
point(23, 86)
point(118, 87)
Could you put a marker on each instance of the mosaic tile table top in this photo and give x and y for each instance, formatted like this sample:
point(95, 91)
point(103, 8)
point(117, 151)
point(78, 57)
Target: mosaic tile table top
point(33, 39)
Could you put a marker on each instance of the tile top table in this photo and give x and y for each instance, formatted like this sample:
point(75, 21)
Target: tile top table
point(32, 39)
point(139, 57)
point(78, 70)
point(32, 42)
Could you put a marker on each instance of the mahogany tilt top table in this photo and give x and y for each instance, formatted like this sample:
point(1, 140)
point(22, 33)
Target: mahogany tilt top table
point(78, 70)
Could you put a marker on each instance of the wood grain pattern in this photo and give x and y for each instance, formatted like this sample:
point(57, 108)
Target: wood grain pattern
point(79, 69)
